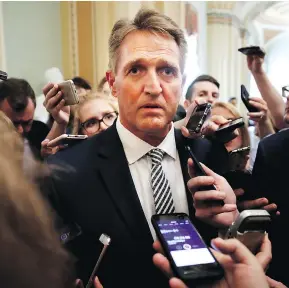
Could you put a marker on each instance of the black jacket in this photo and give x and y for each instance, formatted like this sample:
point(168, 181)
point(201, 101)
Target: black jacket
point(98, 194)
point(270, 179)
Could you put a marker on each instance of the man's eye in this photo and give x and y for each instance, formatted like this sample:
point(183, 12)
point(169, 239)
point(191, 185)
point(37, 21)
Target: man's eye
point(167, 71)
point(134, 70)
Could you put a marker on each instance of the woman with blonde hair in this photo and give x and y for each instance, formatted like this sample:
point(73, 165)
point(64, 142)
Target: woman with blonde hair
point(94, 114)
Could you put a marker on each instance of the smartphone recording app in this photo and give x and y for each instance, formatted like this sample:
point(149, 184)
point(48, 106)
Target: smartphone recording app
point(184, 243)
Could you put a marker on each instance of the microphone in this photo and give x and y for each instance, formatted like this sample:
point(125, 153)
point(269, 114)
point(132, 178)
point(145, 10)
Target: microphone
point(105, 240)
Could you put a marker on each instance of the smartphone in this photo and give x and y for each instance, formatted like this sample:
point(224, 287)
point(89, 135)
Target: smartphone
point(250, 228)
point(253, 50)
point(66, 139)
point(105, 240)
point(238, 158)
point(190, 258)
point(3, 75)
point(231, 126)
point(199, 171)
point(198, 117)
point(245, 98)
point(69, 92)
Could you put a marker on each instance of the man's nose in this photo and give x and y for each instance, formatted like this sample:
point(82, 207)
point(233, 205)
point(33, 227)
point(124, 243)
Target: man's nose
point(210, 99)
point(153, 85)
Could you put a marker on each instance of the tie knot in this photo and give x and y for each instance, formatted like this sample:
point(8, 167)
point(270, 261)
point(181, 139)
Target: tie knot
point(156, 155)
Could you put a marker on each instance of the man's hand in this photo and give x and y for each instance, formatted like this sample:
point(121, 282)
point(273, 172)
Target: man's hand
point(220, 216)
point(261, 105)
point(255, 64)
point(242, 268)
point(47, 151)
point(259, 203)
point(54, 104)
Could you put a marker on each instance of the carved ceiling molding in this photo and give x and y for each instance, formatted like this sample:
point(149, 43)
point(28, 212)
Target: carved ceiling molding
point(225, 18)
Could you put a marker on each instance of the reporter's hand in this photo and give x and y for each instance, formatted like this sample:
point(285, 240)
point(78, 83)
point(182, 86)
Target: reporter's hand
point(259, 203)
point(54, 104)
point(47, 151)
point(255, 63)
point(242, 268)
point(220, 216)
point(261, 105)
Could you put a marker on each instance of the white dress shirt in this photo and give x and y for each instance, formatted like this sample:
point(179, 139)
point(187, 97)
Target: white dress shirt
point(140, 168)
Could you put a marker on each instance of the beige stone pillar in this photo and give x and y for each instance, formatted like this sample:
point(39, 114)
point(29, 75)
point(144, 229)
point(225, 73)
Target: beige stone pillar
point(224, 37)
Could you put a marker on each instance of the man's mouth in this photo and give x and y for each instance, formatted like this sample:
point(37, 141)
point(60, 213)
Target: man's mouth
point(152, 106)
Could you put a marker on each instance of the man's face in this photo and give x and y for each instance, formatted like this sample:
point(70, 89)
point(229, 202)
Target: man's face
point(147, 83)
point(205, 90)
point(22, 120)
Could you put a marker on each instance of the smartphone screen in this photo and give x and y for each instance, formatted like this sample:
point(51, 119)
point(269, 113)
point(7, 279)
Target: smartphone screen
point(198, 117)
point(186, 248)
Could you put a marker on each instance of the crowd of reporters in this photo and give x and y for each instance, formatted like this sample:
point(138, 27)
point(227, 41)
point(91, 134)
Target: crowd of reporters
point(50, 191)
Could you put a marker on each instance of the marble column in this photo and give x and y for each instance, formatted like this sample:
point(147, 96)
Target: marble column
point(225, 35)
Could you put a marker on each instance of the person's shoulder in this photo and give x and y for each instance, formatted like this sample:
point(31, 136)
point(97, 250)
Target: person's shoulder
point(277, 140)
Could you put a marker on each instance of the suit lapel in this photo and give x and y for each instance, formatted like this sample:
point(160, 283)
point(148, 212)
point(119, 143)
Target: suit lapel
point(114, 171)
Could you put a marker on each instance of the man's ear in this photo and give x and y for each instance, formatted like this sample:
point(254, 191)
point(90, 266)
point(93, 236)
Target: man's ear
point(187, 103)
point(111, 82)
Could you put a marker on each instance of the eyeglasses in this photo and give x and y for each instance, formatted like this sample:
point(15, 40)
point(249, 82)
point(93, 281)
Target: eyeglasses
point(285, 91)
point(92, 125)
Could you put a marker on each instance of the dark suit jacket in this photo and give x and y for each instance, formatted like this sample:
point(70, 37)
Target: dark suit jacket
point(270, 180)
point(98, 194)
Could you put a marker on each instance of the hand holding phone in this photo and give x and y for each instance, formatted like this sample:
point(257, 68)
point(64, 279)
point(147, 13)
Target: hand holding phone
point(69, 92)
point(198, 117)
point(226, 132)
point(199, 171)
point(190, 258)
point(245, 98)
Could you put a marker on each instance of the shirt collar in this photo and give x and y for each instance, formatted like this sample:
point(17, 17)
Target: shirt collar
point(135, 148)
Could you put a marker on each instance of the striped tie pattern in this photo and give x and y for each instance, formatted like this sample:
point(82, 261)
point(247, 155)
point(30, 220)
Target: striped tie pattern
point(164, 202)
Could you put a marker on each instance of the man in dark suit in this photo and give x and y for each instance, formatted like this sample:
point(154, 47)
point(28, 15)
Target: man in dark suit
point(115, 181)
point(269, 179)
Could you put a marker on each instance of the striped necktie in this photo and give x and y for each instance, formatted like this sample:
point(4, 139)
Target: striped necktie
point(163, 198)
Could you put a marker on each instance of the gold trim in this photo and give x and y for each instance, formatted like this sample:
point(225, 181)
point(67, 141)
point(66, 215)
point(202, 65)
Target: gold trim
point(69, 39)
point(85, 41)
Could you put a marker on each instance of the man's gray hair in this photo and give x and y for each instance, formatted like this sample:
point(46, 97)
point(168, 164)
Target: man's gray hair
point(145, 20)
